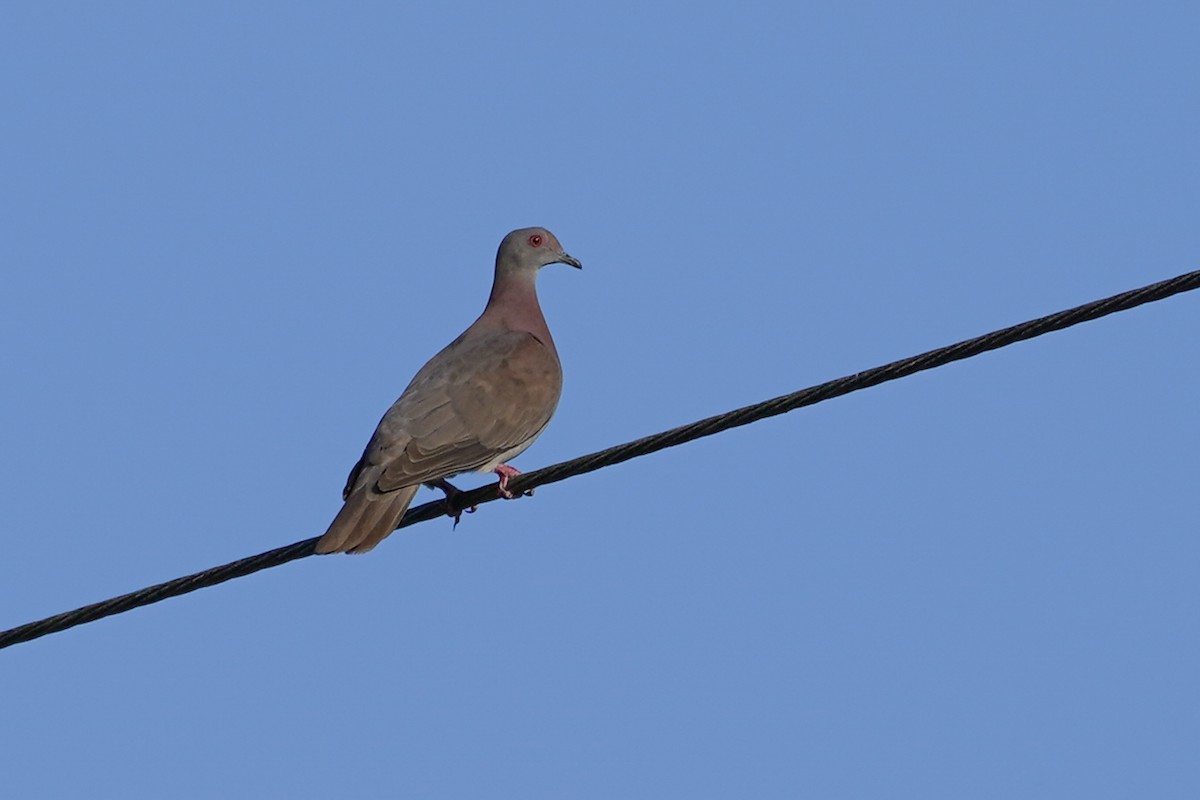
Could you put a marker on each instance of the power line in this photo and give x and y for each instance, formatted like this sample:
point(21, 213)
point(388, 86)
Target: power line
point(624, 452)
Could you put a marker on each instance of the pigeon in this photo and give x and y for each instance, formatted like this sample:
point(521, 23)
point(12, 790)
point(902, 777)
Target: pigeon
point(478, 403)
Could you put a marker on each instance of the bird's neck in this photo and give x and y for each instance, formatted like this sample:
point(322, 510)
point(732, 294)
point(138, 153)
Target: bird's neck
point(513, 305)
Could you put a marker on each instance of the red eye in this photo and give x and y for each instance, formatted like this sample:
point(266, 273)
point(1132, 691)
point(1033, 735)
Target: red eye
point(536, 240)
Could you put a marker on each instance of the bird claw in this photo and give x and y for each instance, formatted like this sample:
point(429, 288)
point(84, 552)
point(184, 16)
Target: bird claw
point(451, 491)
point(457, 515)
point(506, 472)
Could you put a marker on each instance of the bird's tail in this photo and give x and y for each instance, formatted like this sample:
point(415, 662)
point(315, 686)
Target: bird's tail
point(366, 519)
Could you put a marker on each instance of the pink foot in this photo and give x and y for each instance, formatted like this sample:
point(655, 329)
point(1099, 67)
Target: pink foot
point(506, 473)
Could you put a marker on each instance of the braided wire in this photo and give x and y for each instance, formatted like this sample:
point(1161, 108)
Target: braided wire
point(634, 449)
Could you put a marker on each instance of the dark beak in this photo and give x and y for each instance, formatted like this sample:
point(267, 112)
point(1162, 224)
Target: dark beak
point(563, 258)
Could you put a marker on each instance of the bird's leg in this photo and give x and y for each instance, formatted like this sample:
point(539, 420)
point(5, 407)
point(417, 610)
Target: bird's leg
point(506, 473)
point(451, 491)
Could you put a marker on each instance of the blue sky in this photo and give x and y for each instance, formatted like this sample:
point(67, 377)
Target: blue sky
point(233, 232)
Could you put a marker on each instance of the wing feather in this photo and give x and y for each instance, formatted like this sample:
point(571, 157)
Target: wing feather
point(481, 400)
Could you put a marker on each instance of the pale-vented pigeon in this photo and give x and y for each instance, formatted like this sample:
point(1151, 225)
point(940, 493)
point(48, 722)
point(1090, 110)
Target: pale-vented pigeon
point(476, 404)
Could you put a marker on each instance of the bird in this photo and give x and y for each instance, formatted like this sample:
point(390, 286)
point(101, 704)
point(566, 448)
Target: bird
point(475, 405)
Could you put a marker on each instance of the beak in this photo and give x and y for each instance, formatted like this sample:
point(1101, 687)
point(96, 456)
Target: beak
point(563, 258)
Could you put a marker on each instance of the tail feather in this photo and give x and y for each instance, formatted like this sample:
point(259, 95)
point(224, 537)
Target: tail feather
point(366, 519)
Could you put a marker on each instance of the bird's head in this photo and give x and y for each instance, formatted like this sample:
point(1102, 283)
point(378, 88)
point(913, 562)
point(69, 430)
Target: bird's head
point(532, 248)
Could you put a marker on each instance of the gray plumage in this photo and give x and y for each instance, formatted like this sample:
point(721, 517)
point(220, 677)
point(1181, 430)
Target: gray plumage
point(479, 402)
